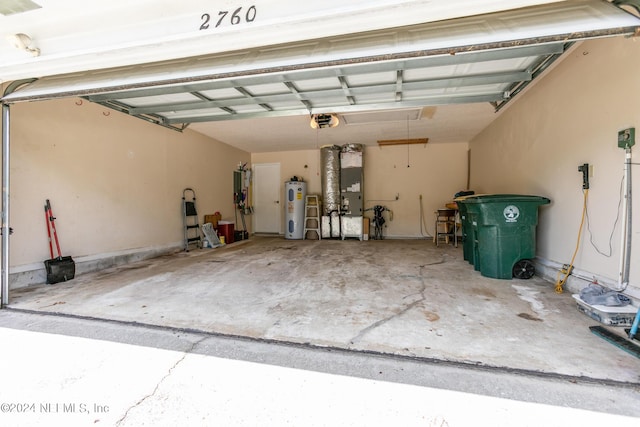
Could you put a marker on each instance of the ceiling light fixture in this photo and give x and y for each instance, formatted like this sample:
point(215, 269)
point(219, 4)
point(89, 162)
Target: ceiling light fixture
point(320, 121)
point(23, 42)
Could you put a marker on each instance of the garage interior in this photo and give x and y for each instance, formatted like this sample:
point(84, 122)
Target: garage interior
point(505, 97)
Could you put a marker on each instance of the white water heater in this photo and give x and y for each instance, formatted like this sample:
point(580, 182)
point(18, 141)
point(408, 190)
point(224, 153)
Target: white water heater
point(295, 193)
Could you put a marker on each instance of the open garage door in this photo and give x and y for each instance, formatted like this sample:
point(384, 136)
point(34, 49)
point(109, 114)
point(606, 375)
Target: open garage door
point(486, 58)
point(481, 58)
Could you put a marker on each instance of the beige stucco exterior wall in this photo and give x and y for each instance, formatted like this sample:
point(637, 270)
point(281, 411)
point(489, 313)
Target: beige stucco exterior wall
point(115, 182)
point(570, 117)
point(435, 171)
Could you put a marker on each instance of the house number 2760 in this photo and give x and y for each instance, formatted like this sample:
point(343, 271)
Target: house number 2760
point(226, 17)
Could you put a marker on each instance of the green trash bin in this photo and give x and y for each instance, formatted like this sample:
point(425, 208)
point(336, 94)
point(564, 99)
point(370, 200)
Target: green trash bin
point(502, 230)
point(468, 217)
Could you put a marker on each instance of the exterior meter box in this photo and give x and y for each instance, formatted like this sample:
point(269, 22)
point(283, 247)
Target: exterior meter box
point(627, 138)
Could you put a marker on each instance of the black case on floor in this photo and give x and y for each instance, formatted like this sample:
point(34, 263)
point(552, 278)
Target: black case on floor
point(60, 269)
point(240, 235)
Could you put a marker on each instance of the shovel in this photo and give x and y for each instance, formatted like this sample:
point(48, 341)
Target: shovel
point(60, 268)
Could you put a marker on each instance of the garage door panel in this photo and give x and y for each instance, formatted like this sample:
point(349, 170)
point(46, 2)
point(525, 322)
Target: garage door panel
point(486, 57)
point(372, 78)
point(267, 89)
point(317, 84)
point(161, 99)
point(223, 93)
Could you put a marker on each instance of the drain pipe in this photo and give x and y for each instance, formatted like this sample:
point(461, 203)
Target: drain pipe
point(4, 262)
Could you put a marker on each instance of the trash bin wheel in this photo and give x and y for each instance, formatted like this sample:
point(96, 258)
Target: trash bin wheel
point(524, 269)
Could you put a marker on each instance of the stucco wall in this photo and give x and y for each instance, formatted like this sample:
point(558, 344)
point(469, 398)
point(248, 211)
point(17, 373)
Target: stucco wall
point(115, 182)
point(435, 171)
point(570, 117)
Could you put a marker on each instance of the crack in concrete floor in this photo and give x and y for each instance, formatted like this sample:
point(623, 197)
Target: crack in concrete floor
point(190, 350)
point(381, 322)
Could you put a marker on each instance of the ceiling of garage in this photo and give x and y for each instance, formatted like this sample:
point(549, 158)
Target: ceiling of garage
point(439, 80)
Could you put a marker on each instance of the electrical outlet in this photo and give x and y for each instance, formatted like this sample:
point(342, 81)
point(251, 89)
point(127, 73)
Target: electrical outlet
point(566, 269)
point(584, 169)
point(590, 171)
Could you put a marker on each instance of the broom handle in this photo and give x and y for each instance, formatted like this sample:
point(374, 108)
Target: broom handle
point(53, 228)
point(46, 217)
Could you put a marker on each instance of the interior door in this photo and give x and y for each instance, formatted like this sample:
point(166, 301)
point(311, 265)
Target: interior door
point(267, 209)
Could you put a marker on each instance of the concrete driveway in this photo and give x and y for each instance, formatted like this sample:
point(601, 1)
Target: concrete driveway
point(61, 370)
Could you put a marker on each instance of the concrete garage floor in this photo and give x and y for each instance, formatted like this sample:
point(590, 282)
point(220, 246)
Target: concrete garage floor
point(402, 297)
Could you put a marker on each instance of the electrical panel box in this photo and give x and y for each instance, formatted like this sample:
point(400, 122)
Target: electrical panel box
point(627, 138)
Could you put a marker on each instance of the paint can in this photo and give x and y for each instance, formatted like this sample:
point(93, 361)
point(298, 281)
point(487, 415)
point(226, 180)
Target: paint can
point(221, 239)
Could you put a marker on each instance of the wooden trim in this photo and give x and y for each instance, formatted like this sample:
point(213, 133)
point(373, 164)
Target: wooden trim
point(403, 141)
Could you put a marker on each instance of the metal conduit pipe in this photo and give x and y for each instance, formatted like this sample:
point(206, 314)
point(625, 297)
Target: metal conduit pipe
point(628, 221)
point(4, 262)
